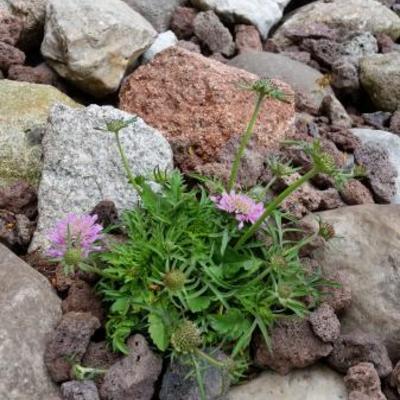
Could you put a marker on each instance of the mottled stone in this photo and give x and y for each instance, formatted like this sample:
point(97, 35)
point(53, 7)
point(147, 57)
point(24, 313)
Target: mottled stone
point(247, 38)
point(182, 22)
point(325, 324)
point(10, 55)
point(79, 390)
point(354, 192)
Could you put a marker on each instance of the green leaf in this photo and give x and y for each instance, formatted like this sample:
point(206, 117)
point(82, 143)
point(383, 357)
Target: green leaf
point(120, 306)
point(158, 332)
point(233, 323)
point(225, 241)
point(198, 304)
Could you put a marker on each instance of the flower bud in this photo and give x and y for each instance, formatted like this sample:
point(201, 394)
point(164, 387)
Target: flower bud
point(175, 280)
point(186, 338)
point(73, 256)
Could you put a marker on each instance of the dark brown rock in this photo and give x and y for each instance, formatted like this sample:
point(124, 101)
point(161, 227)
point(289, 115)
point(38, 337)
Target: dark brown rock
point(345, 76)
point(380, 172)
point(293, 345)
point(10, 55)
point(343, 138)
point(362, 381)
point(182, 22)
point(99, 355)
point(134, 376)
point(69, 343)
point(82, 298)
point(354, 348)
point(313, 31)
point(395, 378)
point(378, 119)
point(41, 74)
point(330, 199)
point(324, 323)
point(213, 34)
point(16, 231)
point(395, 122)
point(10, 28)
point(19, 198)
point(107, 213)
point(79, 390)
point(325, 51)
point(338, 296)
point(247, 38)
point(354, 192)
point(189, 46)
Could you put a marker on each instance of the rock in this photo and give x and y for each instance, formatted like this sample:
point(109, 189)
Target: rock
point(293, 345)
point(95, 66)
point(99, 355)
point(345, 76)
point(380, 77)
point(378, 119)
point(385, 43)
point(189, 46)
point(68, 343)
point(15, 231)
point(358, 45)
point(353, 348)
point(79, 390)
point(370, 263)
point(395, 377)
point(24, 109)
point(352, 15)
point(176, 385)
point(19, 198)
point(258, 13)
point(32, 13)
point(314, 383)
point(301, 77)
point(158, 13)
point(182, 22)
point(40, 74)
point(391, 144)
point(10, 28)
point(163, 41)
point(199, 107)
point(75, 150)
point(134, 376)
point(213, 34)
point(107, 213)
point(315, 30)
point(247, 38)
point(336, 113)
point(363, 379)
point(324, 323)
point(354, 192)
point(395, 122)
point(29, 311)
point(380, 172)
point(10, 55)
point(82, 298)
point(325, 51)
point(338, 297)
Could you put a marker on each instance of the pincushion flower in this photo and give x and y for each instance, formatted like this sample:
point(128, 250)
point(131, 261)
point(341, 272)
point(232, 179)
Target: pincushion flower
point(75, 232)
point(244, 208)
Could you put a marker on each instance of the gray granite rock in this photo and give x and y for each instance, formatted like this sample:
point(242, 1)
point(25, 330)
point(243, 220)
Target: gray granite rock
point(163, 41)
point(29, 311)
point(82, 165)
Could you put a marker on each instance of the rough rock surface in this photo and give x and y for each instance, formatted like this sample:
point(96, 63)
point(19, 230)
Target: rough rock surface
point(197, 104)
point(162, 42)
point(40, 74)
point(380, 77)
point(247, 38)
point(99, 355)
point(314, 383)
point(95, 66)
point(76, 149)
point(19, 198)
point(182, 22)
point(354, 192)
point(10, 55)
point(158, 13)
point(301, 77)
point(356, 15)
point(355, 347)
point(29, 311)
point(324, 323)
point(15, 231)
point(366, 250)
point(391, 143)
point(79, 390)
point(256, 12)
point(10, 28)
point(24, 109)
point(293, 345)
point(134, 376)
point(176, 386)
point(362, 379)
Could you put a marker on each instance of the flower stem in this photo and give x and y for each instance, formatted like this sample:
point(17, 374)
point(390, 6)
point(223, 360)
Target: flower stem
point(209, 359)
point(275, 204)
point(244, 141)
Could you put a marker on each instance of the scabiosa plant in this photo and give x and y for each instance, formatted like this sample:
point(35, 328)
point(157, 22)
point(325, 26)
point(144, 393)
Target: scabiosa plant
point(73, 239)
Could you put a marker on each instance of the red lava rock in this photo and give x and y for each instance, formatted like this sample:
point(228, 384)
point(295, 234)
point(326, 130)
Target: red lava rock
point(385, 43)
point(68, 343)
point(99, 355)
point(362, 381)
point(182, 22)
point(198, 105)
point(19, 198)
point(247, 38)
point(330, 199)
point(356, 347)
point(343, 138)
point(325, 323)
point(294, 345)
point(189, 46)
point(10, 28)
point(380, 172)
point(354, 192)
point(107, 213)
point(395, 122)
point(134, 376)
point(315, 30)
point(41, 74)
point(213, 34)
point(79, 390)
point(10, 55)
point(325, 51)
point(338, 296)
point(82, 298)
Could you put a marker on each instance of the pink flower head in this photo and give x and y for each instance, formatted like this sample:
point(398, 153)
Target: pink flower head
point(76, 231)
point(243, 207)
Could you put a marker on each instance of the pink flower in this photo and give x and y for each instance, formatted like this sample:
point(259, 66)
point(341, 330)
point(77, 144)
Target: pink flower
point(75, 231)
point(243, 207)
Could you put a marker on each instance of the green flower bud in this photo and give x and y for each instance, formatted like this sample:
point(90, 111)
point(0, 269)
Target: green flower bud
point(186, 338)
point(277, 262)
point(175, 280)
point(72, 256)
point(326, 231)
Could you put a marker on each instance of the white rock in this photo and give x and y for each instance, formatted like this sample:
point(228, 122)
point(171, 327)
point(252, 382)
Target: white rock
point(264, 14)
point(163, 41)
point(391, 143)
point(92, 43)
point(82, 165)
point(316, 383)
